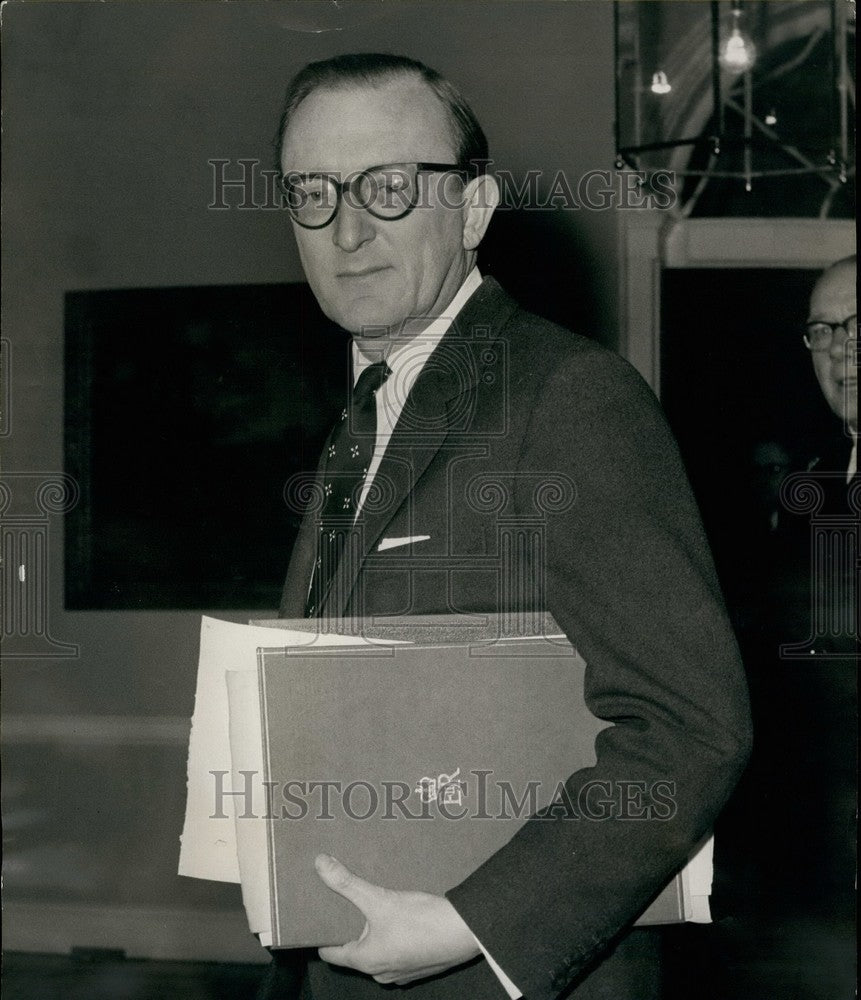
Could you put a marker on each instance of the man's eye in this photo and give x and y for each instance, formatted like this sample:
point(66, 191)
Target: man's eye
point(314, 189)
point(390, 181)
point(318, 194)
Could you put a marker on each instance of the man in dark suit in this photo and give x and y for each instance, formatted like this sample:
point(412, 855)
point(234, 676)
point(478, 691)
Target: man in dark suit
point(784, 893)
point(512, 467)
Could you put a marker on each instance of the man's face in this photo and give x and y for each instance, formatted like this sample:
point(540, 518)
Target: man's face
point(364, 271)
point(832, 301)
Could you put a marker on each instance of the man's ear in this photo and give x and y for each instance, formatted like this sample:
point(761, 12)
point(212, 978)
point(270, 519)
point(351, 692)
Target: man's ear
point(480, 198)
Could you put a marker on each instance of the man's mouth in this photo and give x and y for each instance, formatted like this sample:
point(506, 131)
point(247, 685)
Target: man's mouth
point(363, 272)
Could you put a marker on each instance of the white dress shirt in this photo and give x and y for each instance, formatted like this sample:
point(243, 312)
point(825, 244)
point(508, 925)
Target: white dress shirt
point(406, 363)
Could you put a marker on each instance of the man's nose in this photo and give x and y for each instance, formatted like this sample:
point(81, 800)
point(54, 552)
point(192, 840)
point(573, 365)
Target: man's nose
point(352, 227)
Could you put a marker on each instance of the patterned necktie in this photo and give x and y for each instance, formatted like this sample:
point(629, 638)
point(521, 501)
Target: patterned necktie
point(347, 460)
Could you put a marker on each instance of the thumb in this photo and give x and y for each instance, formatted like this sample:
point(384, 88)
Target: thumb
point(341, 880)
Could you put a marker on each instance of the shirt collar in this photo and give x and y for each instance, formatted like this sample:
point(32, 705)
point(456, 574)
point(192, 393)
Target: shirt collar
point(424, 343)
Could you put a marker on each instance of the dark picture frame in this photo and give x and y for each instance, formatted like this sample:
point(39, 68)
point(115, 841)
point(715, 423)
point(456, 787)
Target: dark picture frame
point(186, 411)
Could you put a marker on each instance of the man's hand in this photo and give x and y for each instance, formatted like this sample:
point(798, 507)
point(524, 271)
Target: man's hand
point(407, 935)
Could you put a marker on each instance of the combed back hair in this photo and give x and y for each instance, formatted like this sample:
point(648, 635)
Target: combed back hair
point(376, 68)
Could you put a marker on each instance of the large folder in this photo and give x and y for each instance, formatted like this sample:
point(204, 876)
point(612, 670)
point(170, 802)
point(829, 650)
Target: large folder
point(413, 764)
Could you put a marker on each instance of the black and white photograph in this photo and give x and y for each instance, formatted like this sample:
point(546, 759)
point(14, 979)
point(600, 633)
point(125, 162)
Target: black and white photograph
point(429, 500)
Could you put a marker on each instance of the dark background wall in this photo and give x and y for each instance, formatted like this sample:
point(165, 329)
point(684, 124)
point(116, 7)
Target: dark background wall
point(111, 113)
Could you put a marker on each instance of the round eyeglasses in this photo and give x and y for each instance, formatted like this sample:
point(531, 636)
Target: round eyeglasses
point(387, 192)
point(819, 336)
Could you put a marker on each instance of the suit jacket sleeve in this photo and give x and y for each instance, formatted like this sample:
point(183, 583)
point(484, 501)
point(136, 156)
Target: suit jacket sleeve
point(630, 580)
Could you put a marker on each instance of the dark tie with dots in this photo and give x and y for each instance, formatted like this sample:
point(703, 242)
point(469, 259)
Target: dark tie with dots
point(347, 460)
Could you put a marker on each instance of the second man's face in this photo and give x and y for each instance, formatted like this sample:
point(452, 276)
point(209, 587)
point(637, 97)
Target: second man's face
point(368, 272)
point(833, 301)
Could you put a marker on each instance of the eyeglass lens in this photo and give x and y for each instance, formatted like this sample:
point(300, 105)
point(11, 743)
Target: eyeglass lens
point(821, 335)
point(386, 192)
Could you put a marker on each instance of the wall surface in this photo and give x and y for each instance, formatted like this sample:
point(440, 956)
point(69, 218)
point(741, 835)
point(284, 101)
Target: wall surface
point(111, 112)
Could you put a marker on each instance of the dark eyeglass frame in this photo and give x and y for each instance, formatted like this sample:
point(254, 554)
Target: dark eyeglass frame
point(833, 327)
point(352, 182)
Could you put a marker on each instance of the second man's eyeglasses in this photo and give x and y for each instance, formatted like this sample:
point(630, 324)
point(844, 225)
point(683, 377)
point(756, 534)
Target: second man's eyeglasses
point(819, 336)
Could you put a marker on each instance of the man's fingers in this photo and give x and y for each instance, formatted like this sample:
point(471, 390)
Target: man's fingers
point(351, 955)
point(341, 880)
point(361, 894)
point(344, 954)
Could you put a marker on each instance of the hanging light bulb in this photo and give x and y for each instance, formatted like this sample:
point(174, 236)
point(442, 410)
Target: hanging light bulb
point(660, 83)
point(738, 53)
point(771, 117)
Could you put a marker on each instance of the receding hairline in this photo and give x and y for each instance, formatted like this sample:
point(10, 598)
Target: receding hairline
point(372, 80)
point(379, 81)
point(369, 71)
point(844, 264)
point(836, 270)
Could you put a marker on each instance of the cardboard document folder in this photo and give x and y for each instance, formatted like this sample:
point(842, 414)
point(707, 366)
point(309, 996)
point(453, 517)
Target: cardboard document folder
point(412, 765)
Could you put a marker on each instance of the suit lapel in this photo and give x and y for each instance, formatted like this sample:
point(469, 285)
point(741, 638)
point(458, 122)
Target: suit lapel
point(426, 421)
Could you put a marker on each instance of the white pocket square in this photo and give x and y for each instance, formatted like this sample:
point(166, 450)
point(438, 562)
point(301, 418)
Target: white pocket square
point(393, 543)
